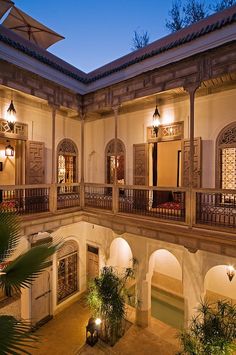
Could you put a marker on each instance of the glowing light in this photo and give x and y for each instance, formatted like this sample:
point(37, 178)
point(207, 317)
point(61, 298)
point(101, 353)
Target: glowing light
point(98, 321)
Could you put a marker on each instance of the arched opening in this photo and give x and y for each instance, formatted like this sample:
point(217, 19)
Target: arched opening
point(67, 157)
point(218, 285)
point(167, 302)
point(110, 162)
point(67, 270)
point(121, 256)
point(226, 159)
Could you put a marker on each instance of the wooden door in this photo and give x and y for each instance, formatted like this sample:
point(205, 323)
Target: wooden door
point(197, 175)
point(35, 162)
point(140, 164)
point(92, 262)
point(41, 298)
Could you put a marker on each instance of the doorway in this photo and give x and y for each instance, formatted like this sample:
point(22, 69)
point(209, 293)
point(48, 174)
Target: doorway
point(92, 262)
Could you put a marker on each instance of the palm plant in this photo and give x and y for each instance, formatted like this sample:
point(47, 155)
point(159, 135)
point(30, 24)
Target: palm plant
point(106, 299)
point(16, 274)
point(212, 331)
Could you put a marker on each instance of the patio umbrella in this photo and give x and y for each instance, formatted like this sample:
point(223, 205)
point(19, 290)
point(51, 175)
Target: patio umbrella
point(29, 28)
point(4, 6)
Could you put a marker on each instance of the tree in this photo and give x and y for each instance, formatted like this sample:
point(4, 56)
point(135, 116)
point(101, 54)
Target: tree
point(176, 21)
point(140, 40)
point(194, 11)
point(106, 299)
point(212, 331)
point(14, 275)
point(223, 4)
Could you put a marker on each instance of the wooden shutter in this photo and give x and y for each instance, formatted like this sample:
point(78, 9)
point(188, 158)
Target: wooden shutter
point(35, 163)
point(197, 176)
point(140, 171)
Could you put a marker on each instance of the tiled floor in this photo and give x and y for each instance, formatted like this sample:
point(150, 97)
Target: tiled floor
point(65, 335)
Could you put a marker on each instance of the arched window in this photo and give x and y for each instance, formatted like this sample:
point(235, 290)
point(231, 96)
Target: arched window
point(67, 157)
point(67, 270)
point(110, 162)
point(226, 158)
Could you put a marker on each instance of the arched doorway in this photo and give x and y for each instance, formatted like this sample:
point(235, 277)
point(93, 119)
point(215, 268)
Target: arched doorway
point(110, 162)
point(67, 157)
point(167, 302)
point(121, 256)
point(218, 285)
point(67, 270)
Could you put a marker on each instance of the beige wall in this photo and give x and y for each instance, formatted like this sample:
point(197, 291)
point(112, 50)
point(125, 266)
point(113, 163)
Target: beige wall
point(212, 113)
point(167, 163)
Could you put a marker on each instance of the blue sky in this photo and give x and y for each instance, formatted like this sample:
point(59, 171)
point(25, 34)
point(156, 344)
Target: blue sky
point(97, 32)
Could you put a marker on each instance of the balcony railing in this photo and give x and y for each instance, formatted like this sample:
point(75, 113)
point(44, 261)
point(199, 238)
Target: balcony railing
point(203, 207)
point(25, 199)
point(68, 195)
point(98, 196)
point(216, 207)
point(164, 203)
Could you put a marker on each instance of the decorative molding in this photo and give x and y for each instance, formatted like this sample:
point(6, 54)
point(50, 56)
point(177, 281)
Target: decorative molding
point(20, 130)
point(169, 132)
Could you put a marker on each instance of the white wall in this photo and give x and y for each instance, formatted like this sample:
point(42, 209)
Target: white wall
point(166, 263)
point(120, 255)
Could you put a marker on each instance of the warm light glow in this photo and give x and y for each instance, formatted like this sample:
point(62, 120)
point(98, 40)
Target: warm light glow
point(9, 150)
point(98, 321)
point(156, 122)
point(11, 113)
point(230, 272)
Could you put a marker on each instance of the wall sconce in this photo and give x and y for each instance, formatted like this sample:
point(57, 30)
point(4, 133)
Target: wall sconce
point(156, 120)
point(9, 150)
point(11, 116)
point(230, 272)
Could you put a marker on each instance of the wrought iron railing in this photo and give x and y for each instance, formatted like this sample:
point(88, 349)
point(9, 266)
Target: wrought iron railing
point(164, 203)
point(216, 207)
point(98, 196)
point(68, 195)
point(25, 199)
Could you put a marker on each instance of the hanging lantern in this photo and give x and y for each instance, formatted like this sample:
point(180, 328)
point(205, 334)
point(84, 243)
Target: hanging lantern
point(9, 150)
point(11, 116)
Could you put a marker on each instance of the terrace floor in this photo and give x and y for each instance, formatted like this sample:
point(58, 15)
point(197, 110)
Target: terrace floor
point(65, 335)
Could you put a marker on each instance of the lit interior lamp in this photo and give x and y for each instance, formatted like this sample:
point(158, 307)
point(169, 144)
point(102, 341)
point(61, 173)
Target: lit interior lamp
point(230, 272)
point(11, 116)
point(9, 150)
point(156, 121)
point(98, 321)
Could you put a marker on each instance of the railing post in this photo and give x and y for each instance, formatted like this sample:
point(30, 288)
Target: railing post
point(82, 195)
point(53, 198)
point(193, 207)
point(115, 199)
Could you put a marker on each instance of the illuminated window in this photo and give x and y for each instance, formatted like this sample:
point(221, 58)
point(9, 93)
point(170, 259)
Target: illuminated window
point(110, 162)
point(67, 162)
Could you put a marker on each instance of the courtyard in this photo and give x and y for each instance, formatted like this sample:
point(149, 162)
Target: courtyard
point(65, 334)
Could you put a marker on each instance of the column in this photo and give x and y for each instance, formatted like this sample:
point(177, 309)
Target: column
point(193, 284)
point(53, 191)
point(143, 294)
point(115, 187)
point(82, 161)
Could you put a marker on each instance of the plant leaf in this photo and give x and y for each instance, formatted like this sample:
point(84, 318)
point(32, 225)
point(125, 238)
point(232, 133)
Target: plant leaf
point(15, 336)
point(9, 234)
point(26, 267)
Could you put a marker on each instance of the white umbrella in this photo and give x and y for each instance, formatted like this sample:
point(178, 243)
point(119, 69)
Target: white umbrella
point(4, 6)
point(29, 28)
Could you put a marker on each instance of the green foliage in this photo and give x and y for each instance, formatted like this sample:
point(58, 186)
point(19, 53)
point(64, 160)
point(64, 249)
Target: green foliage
point(15, 335)
point(212, 331)
point(106, 299)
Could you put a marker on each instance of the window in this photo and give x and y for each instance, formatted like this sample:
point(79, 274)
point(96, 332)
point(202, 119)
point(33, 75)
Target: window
point(226, 161)
point(110, 162)
point(67, 162)
point(67, 270)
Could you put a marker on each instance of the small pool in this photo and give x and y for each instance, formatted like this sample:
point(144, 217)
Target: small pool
point(168, 308)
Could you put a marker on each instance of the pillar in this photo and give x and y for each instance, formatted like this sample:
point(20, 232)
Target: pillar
point(115, 187)
point(82, 161)
point(193, 284)
point(143, 295)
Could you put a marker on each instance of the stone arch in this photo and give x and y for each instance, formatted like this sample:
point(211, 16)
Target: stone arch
point(225, 139)
point(67, 161)
point(218, 285)
point(121, 255)
point(121, 159)
point(165, 278)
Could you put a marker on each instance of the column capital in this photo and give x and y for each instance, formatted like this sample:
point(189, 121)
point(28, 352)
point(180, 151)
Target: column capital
point(53, 106)
point(191, 88)
point(115, 108)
